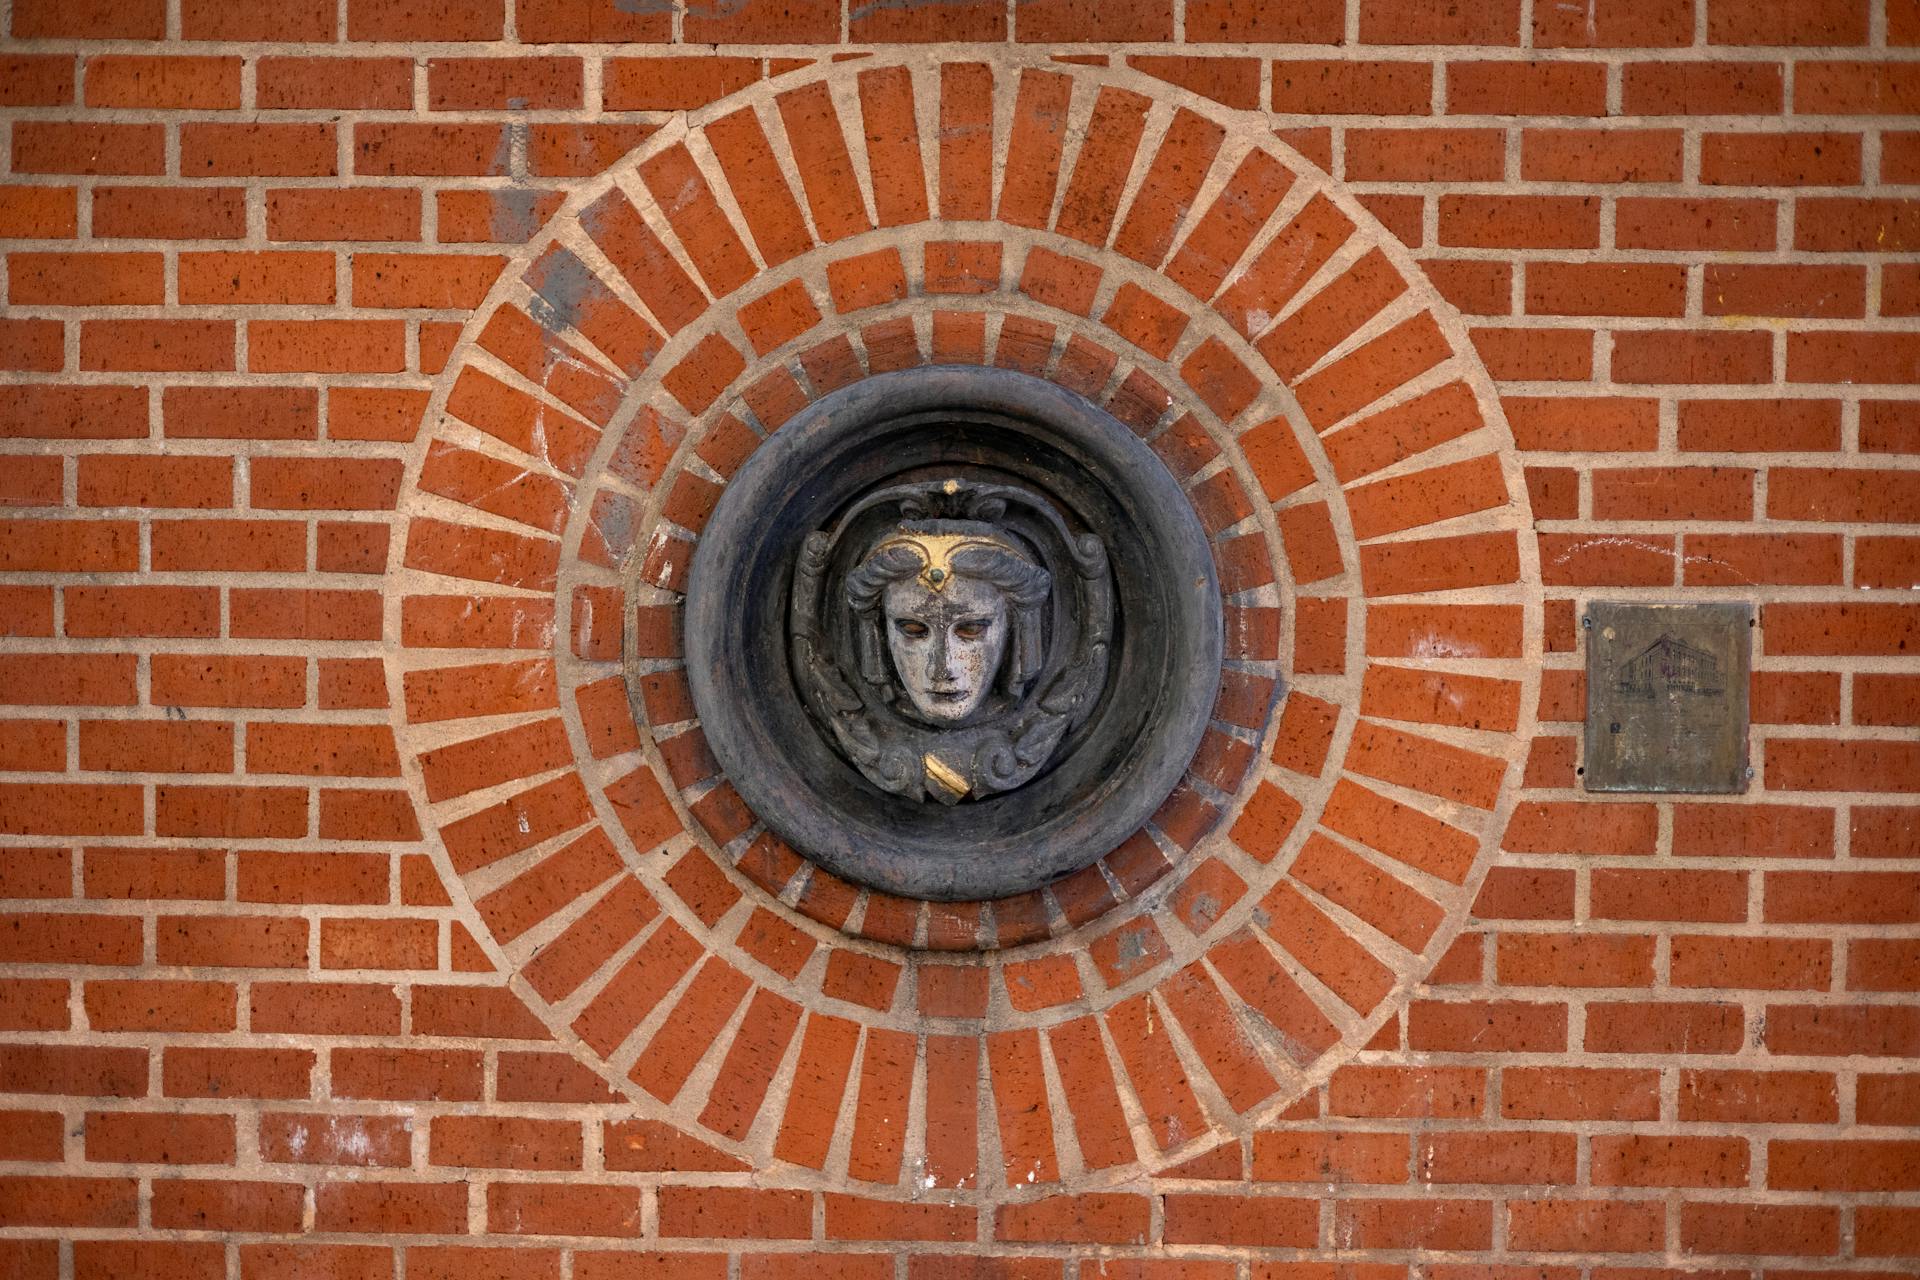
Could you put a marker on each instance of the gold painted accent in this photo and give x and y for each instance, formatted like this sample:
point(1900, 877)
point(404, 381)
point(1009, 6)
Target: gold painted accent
point(938, 550)
point(942, 775)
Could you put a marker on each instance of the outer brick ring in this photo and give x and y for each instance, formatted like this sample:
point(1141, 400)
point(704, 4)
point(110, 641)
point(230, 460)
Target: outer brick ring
point(1165, 257)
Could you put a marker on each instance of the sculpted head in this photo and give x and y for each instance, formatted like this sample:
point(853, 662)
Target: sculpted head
point(958, 604)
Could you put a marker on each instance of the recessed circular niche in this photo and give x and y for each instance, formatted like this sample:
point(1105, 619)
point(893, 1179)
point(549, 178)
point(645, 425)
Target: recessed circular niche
point(953, 633)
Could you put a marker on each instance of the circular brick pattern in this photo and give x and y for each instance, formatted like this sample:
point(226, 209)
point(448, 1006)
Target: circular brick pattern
point(1167, 259)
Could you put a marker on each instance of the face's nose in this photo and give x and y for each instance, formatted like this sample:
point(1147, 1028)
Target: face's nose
point(940, 667)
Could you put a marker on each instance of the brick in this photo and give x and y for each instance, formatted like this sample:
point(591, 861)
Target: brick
point(163, 83)
point(509, 216)
point(1849, 224)
point(1602, 156)
point(1428, 1224)
point(157, 346)
point(1770, 964)
point(1843, 1029)
point(504, 84)
point(38, 213)
point(1574, 1093)
point(1507, 1157)
point(84, 279)
point(505, 1142)
point(673, 83)
point(559, 21)
point(1526, 88)
point(1343, 87)
point(1867, 897)
point(1390, 22)
point(94, 20)
point(408, 20)
point(32, 1137)
point(1633, 1027)
point(1255, 1221)
point(1634, 893)
point(134, 1138)
point(734, 1213)
point(156, 874)
point(1550, 355)
point(1885, 562)
point(1753, 830)
point(368, 213)
point(1567, 960)
point(1747, 1229)
point(206, 1204)
point(1673, 493)
point(174, 612)
point(1855, 88)
point(1425, 155)
point(51, 146)
point(1054, 21)
point(83, 1071)
point(156, 747)
point(68, 1202)
point(443, 281)
point(1766, 1097)
point(37, 80)
point(1652, 222)
point(195, 213)
point(1520, 222)
point(246, 812)
point(417, 149)
point(1094, 1217)
point(298, 20)
point(298, 83)
point(1838, 629)
point(1234, 82)
point(1831, 494)
point(826, 169)
point(1780, 159)
point(160, 1005)
point(1483, 1026)
point(1702, 88)
point(1580, 1226)
point(1694, 357)
point(1759, 425)
point(1848, 1165)
point(1771, 22)
point(325, 1008)
point(1234, 21)
point(437, 1208)
point(1585, 288)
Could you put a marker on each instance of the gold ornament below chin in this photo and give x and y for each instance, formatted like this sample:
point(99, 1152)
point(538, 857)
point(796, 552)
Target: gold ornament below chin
point(943, 776)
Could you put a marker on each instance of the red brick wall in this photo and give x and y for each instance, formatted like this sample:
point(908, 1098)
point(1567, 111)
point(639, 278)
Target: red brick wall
point(373, 902)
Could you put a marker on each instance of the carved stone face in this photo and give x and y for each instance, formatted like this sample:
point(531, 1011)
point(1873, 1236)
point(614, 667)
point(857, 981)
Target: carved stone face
point(947, 644)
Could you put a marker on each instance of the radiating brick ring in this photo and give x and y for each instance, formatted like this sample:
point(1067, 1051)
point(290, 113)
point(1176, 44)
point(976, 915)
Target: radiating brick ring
point(1170, 261)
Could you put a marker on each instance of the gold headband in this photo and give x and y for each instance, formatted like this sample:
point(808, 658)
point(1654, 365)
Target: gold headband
point(938, 550)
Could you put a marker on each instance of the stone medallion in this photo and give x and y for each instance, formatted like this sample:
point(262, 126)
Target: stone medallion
point(954, 633)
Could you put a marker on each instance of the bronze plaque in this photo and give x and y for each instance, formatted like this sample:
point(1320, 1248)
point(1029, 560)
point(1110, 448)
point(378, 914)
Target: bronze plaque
point(1667, 697)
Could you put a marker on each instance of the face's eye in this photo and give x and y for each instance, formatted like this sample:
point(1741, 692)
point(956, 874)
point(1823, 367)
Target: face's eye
point(971, 628)
point(911, 628)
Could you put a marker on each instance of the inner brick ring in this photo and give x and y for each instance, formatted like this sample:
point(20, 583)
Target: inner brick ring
point(1173, 263)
